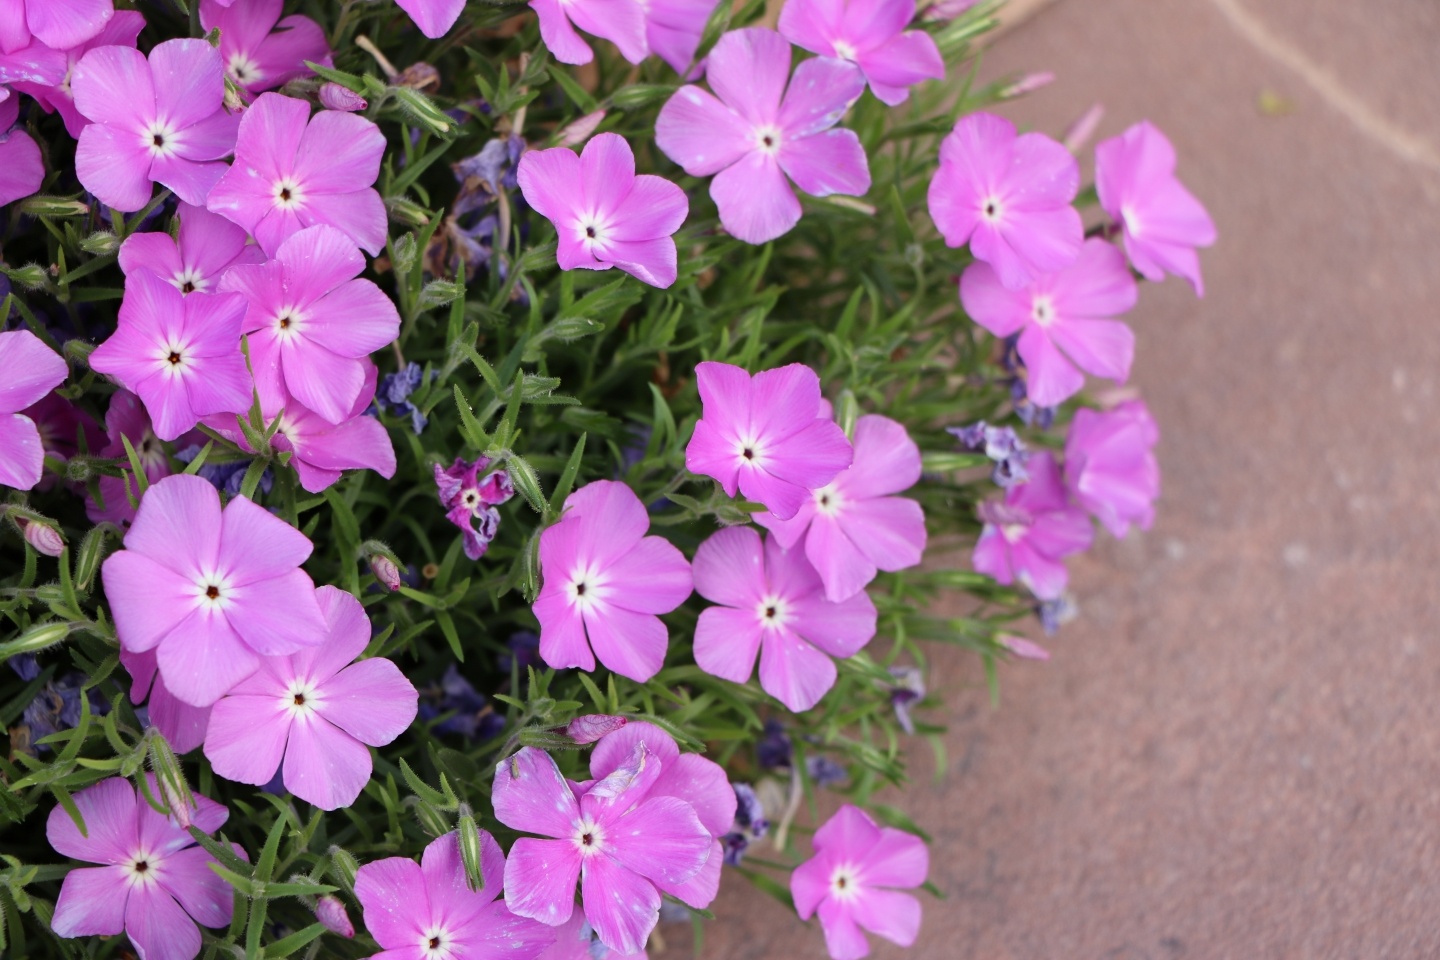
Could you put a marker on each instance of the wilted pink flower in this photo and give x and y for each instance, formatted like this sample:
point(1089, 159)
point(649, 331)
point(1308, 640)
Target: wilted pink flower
point(759, 131)
point(772, 603)
point(210, 591)
point(153, 883)
point(207, 246)
point(870, 34)
point(604, 584)
point(1027, 537)
point(29, 370)
point(317, 708)
point(21, 168)
point(43, 538)
point(335, 97)
point(182, 725)
point(433, 17)
point(622, 842)
point(330, 911)
point(1062, 318)
point(1163, 223)
point(1008, 196)
point(854, 881)
point(1110, 465)
point(387, 574)
point(311, 324)
point(127, 418)
point(260, 50)
point(673, 29)
point(470, 502)
point(59, 24)
point(604, 214)
point(854, 526)
point(122, 30)
point(427, 911)
point(622, 22)
point(180, 354)
point(592, 727)
point(291, 171)
point(575, 940)
point(764, 435)
point(161, 120)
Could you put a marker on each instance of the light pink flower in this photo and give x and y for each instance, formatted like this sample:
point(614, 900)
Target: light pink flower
point(311, 323)
point(575, 940)
point(210, 591)
point(207, 246)
point(317, 708)
point(592, 727)
point(1062, 319)
point(161, 120)
point(1163, 223)
point(330, 911)
point(127, 418)
point(620, 840)
point(870, 34)
point(292, 171)
point(335, 97)
point(605, 583)
point(854, 881)
point(59, 24)
point(1110, 465)
point(764, 436)
point(260, 50)
point(771, 603)
point(761, 130)
point(183, 725)
point(622, 22)
point(180, 354)
point(673, 29)
point(433, 17)
point(1027, 537)
point(1009, 197)
point(29, 370)
point(853, 526)
point(122, 30)
point(22, 169)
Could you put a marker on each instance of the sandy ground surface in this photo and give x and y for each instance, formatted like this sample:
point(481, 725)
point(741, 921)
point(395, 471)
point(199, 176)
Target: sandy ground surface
point(1235, 752)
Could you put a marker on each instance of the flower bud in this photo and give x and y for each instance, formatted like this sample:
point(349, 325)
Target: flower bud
point(407, 211)
point(335, 97)
point(40, 206)
point(385, 571)
point(468, 835)
point(1027, 84)
point(331, 913)
point(343, 868)
point(577, 132)
point(43, 537)
point(32, 276)
point(419, 76)
point(170, 779)
point(590, 728)
point(37, 638)
point(423, 112)
point(100, 243)
point(431, 820)
point(1079, 132)
point(1025, 649)
point(641, 94)
point(92, 551)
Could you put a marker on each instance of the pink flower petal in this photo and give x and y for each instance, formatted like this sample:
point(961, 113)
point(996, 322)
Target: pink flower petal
point(748, 70)
point(159, 927)
point(631, 644)
point(617, 748)
point(540, 878)
point(622, 906)
point(446, 887)
point(610, 517)
point(622, 22)
point(653, 208)
point(370, 700)
point(156, 600)
point(887, 461)
point(726, 642)
point(991, 304)
point(1104, 348)
point(701, 783)
point(257, 545)
point(827, 163)
point(1051, 379)
point(433, 17)
point(91, 902)
point(392, 895)
point(812, 24)
point(113, 167)
point(112, 85)
point(700, 890)
point(850, 833)
point(278, 615)
point(347, 634)
point(203, 658)
point(661, 839)
point(756, 203)
point(108, 809)
point(22, 170)
point(354, 319)
point(22, 455)
point(711, 453)
point(840, 629)
point(530, 795)
point(650, 261)
point(62, 24)
point(339, 154)
point(814, 456)
point(820, 93)
point(183, 726)
point(700, 133)
point(794, 672)
point(180, 503)
point(781, 497)
point(889, 531)
point(190, 81)
point(31, 370)
point(902, 62)
point(730, 567)
point(562, 632)
point(548, 180)
point(205, 895)
point(269, 138)
point(843, 939)
point(886, 913)
point(784, 400)
point(558, 35)
point(656, 575)
point(324, 765)
point(900, 859)
point(246, 737)
point(810, 885)
point(607, 173)
point(326, 383)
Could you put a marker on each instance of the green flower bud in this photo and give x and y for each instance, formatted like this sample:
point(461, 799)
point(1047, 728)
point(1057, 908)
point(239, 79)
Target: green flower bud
point(469, 836)
point(343, 868)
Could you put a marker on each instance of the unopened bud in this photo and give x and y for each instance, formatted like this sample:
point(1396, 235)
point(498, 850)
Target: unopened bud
point(32, 276)
point(331, 914)
point(100, 243)
point(170, 779)
point(1025, 649)
point(335, 97)
point(37, 638)
point(468, 836)
point(640, 94)
point(1080, 132)
point(1027, 84)
point(431, 820)
point(92, 551)
point(343, 868)
point(577, 132)
point(386, 572)
point(43, 537)
point(41, 206)
point(423, 112)
point(407, 211)
point(590, 728)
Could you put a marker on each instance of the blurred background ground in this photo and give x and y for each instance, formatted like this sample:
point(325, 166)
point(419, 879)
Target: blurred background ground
point(1235, 751)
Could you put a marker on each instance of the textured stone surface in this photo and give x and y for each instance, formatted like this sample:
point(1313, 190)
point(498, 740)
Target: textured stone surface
point(1235, 752)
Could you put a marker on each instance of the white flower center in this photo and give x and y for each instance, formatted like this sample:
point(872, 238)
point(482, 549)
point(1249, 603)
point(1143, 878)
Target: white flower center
point(1132, 221)
point(213, 592)
point(750, 451)
point(828, 500)
point(1042, 310)
point(174, 358)
point(243, 70)
point(586, 586)
point(436, 943)
point(289, 323)
point(287, 194)
point(301, 699)
point(844, 50)
point(844, 882)
point(190, 280)
point(1014, 532)
point(161, 139)
point(773, 612)
point(767, 139)
point(991, 210)
point(141, 869)
point(588, 838)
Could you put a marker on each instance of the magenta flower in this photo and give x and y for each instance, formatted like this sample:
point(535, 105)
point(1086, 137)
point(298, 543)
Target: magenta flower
point(311, 324)
point(470, 502)
point(291, 171)
point(161, 120)
point(180, 354)
point(773, 603)
point(622, 22)
point(433, 17)
point(1026, 537)
point(1162, 221)
point(764, 435)
point(29, 370)
point(605, 583)
point(1007, 196)
point(22, 170)
point(575, 940)
point(619, 839)
point(207, 246)
point(61, 425)
point(1062, 319)
point(758, 132)
point(1110, 465)
point(122, 30)
point(260, 50)
point(184, 726)
point(870, 34)
point(854, 880)
point(317, 709)
point(853, 526)
point(604, 214)
point(210, 591)
point(673, 29)
point(427, 911)
point(58, 24)
point(332, 96)
point(23, 59)
point(127, 419)
point(153, 883)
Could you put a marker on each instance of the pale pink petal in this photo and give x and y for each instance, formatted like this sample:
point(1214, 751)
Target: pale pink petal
point(562, 633)
point(839, 629)
point(113, 167)
point(550, 182)
point(787, 533)
point(353, 320)
point(843, 939)
point(433, 17)
point(1051, 379)
point(849, 834)
point(622, 22)
point(91, 902)
point(328, 384)
point(371, 700)
point(147, 602)
point(748, 69)
point(183, 726)
point(1049, 172)
point(886, 459)
point(204, 894)
point(700, 133)
point(889, 531)
point(880, 17)
point(886, 913)
point(155, 251)
point(158, 927)
point(794, 672)
point(610, 518)
point(257, 545)
point(651, 261)
point(445, 882)
point(246, 738)
point(189, 81)
point(991, 304)
point(711, 453)
point(656, 577)
point(1047, 239)
point(653, 208)
point(203, 658)
point(360, 215)
point(1061, 533)
point(726, 641)
point(730, 567)
point(725, 393)
point(820, 93)
point(339, 153)
point(29, 369)
point(812, 24)
point(901, 62)
point(325, 765)
point(756, 203)
point(631, 644)
point(22, 455)
point(827, 163)
point(267, 142)
point(1042, 573)
point(392, 894)
point(780, 497)
point(619, 747)
point(540, 878)
point(607, 173)
point(661, 839)
point(281, 56)
point(62, 24)
point(22, 170)
point(558, 35)
point(810, 885)
point(785, 400)
point(812, 457)
point(1104, 348)
point(622, 906)
point(316, 261)
point(701, 783)
point(900, 859)
point(1098, 284)
point(108, 809)
point(700, 890)
point(180, 503)
point(277, 616)
point(530, 795)
point(789, 573)
point(112, 85)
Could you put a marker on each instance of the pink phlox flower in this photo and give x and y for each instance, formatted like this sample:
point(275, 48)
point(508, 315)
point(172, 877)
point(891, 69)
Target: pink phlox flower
point(854, 526)
point(122, 30)
point(161, 120)
point(210, 591)
point(755, 130)
point(292, 171)
point(207, 246)
point(673, 29)
point(854, 881)
point(65, 429)
point(58, 24)
point(605, 583)
point(1028, 535)
point(772, 603)
point(433, 17)
point(260, 50)
point(317, 709)
point(427, 911)
point(470, 502)
point(180, 355)
point(1062, 320)
point(335, 97)
point(1162, 221)
point(23, 59)
point(593, 726)
point(311, 324)
point(127, 419)
point(1110, 465)
point(605, 215)
point(29, 370)
point(330, 911)
point(184, 726)
point(618, 839)
point(870, 34)
point(22, 170)
point(622, 22)
point(764, 435)
point(1009, 197)
point(153, 883)
point(575, 940)
point(948, 9)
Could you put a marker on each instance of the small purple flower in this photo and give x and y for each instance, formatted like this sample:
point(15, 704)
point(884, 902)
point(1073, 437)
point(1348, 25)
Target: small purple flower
point(824, 772)
point(393, 396)
point(524, 647)
point(485, 175)
point(999, 444)
point(226, 476)
point(261, 51)
point(472, 716)
point(470, 502)
point(750, 824)
point(870, 34)
point(56, 706)
point(909, 689)
point(774, 749)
